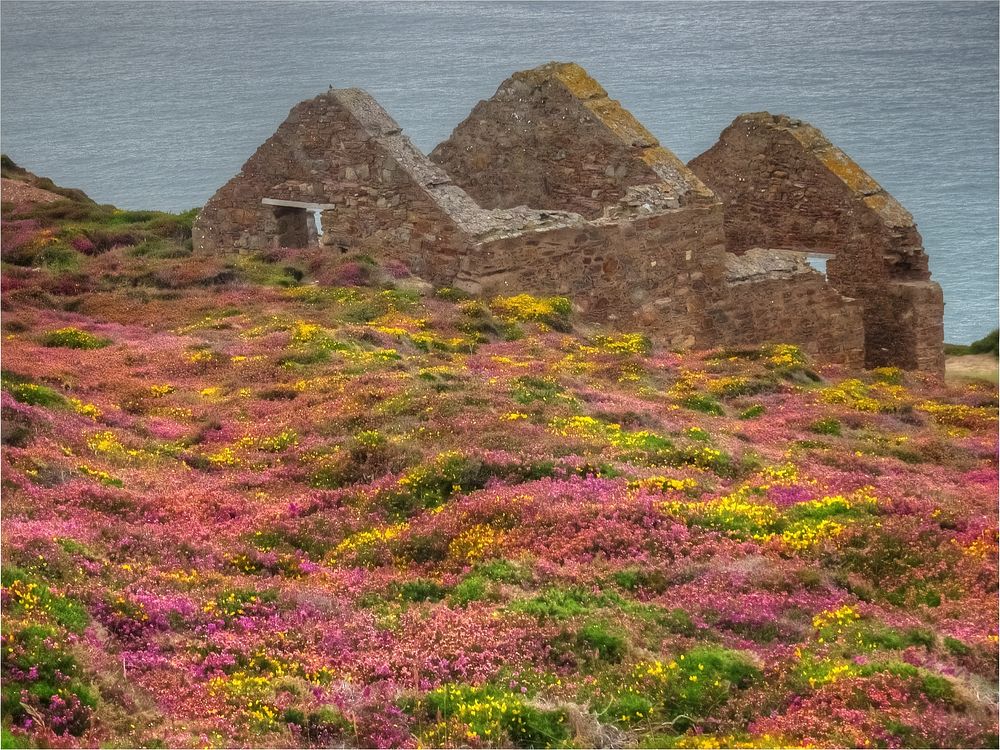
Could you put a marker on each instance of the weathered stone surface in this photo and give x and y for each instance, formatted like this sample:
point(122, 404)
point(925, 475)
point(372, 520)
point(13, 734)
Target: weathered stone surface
point(785, 185)
point(762, 265)
point(551, 138)
point(550, 187)
point(776, 296)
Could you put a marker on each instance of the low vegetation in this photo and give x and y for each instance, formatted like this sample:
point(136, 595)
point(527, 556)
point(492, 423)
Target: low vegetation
point(284, 499)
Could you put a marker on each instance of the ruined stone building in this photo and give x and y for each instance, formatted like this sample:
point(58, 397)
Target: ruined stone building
point(551, 187)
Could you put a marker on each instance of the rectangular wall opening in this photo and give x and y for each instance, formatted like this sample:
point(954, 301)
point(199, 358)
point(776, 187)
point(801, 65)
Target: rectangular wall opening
point(296, 227)
point(818, 261)
point(298, 224)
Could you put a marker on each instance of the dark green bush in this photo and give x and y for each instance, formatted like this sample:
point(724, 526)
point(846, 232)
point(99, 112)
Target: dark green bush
point(66, 612)
point(422, 548)
point(37, 646)
point(703, 403)
point(472, 588)
point(526, 727)
point(626, 708)
point(74, 338)
point(752, 412)
point(558, 603)
point(717, 671)
point(431, 485)
point(988, 344)
point(956, 647)
point(529, 388)
point(501, 571)
point(826, 426)
point(637, 579)
point(451, 294)
point(608, 643)
point(421, 590)
point(31, 393)
point(321, 727)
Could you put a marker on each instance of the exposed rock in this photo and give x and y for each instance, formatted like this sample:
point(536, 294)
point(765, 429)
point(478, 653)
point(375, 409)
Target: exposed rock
point(23, 195)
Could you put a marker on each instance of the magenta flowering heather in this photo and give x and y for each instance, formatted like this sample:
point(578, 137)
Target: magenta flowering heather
point(284, 501)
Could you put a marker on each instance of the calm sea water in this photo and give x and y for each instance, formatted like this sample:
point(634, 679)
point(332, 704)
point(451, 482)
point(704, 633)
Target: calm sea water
point(155, 105)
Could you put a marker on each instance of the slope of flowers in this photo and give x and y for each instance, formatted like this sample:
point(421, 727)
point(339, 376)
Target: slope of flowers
point(292, 500)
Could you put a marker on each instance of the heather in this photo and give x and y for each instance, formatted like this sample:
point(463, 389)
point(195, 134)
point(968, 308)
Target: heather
point(295, 498)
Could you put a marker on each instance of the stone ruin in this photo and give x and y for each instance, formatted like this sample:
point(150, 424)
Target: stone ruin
point(551, 187)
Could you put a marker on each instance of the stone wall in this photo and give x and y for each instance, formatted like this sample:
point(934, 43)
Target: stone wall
point(916, 331)
point(647, 273)
point(785, 185)
point(619, 225)
point(668, 276)
point(340, 149)
point(773, 296)
point(551, 138)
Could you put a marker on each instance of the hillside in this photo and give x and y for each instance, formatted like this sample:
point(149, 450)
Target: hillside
point(289, 499)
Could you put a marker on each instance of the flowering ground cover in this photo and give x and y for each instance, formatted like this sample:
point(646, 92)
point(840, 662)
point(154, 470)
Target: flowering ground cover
point(289, 499)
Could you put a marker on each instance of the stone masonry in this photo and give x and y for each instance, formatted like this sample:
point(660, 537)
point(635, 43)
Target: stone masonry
point(550, 187)
point(784, 185)
point(551, 138)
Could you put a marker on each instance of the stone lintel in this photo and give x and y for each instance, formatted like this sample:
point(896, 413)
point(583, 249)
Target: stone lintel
point(760, 264)
point(298, 204)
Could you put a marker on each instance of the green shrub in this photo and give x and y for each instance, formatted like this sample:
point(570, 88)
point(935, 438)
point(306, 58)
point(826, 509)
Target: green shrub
point(529, 388)
point(704, 457)
point(31, 393)
point(319, 727)
point(10, 169)
point(431, 485)
point(956, 647)
point(10, 740)
point(304, 358)
point(678, 621)
point(879, 636)
point(703, 403)
point(934, 686)
point(421, 590)
point(451, 294)
point(608, 643)
point(626, 709)
point(715, 671)
point(752, 412)
point(501, 571)
point(825, 426)
point(233, 603)
point(473, 588)
point(988, 344)
point(58, 256)
point(57, 673)
point(558, 603)
point(498, 717)
point(64, 611)
point(636, 579)
point(422, 548)
point(159, 247)
point(74, 338)
point(551, 311)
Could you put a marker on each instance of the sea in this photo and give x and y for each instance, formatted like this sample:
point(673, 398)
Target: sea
point(157, 104)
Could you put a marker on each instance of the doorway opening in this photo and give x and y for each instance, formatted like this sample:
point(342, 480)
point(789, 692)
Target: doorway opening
point(298, 224)
point(296, 227)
